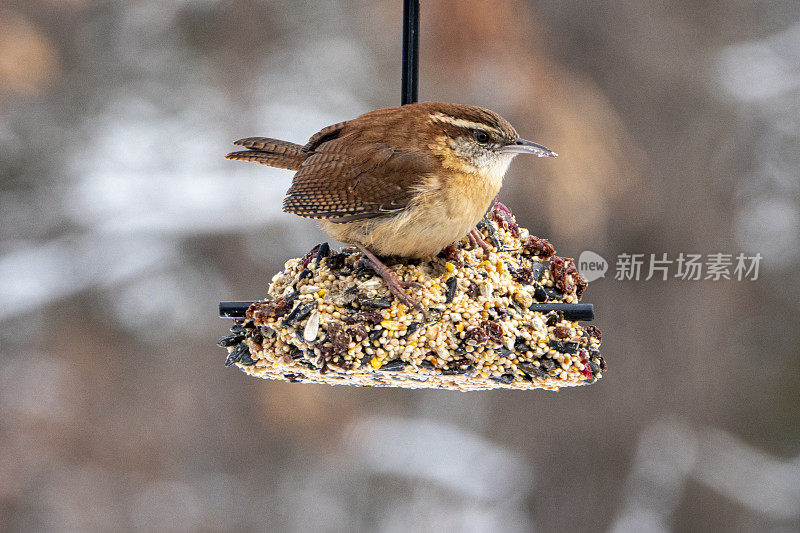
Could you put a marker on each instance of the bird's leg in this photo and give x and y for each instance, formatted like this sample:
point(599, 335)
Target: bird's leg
point(475, 238)
point(392, 281)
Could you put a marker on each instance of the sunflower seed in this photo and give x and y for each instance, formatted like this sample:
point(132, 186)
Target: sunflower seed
point(377, 303)
point(231, 340)
point(323, 251)
point(240, 354)
point(452, 285)
point(309, 289)
point(312, 327)
point(503, 378)
point(374, 284)
point(486, 288)
point(298, 313)
point(394, 365)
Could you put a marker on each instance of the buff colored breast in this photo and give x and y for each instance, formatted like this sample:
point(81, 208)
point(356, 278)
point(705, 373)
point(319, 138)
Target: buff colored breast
point(442, 213)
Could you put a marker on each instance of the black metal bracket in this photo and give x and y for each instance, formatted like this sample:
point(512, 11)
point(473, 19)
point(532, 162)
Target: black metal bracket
point(237, 309)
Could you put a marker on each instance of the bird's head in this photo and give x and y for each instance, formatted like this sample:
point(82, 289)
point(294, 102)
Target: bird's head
point(476, 140)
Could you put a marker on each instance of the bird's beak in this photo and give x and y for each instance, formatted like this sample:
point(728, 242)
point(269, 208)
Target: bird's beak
point(521, 146)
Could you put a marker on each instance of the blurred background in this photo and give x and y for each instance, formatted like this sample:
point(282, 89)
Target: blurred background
point(122, 226)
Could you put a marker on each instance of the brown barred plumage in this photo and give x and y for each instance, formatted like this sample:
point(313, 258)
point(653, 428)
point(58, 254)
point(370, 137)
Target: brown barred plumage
point(270, 152)
point(382, 163)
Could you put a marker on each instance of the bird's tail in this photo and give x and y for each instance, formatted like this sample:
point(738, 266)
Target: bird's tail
point(271, 152)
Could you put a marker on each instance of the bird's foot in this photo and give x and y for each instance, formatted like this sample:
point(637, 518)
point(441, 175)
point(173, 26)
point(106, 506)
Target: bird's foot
point(394, 283)
point(476, 239)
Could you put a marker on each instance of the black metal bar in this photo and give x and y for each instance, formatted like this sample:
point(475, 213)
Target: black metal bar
point(409, 92)
point(233, 309)
point(571, 311)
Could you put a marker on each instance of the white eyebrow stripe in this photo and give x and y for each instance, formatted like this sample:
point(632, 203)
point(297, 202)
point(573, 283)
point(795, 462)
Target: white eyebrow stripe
point(463, 123)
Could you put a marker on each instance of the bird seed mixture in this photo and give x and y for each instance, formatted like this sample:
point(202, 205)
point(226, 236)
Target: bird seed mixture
point(330, 319)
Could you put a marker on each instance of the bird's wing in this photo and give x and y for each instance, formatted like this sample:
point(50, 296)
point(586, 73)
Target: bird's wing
point(325, 135)
point(345, 181)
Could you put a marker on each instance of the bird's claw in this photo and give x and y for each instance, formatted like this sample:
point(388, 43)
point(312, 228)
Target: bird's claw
point(476, 239)
point(394, 283)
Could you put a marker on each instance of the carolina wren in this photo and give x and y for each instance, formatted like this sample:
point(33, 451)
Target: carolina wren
point(404, 181)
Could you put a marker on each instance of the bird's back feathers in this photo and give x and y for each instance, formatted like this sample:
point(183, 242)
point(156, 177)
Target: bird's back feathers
point(348, 172)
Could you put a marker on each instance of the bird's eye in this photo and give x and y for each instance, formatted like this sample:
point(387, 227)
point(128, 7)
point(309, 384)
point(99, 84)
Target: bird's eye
point(481, 136)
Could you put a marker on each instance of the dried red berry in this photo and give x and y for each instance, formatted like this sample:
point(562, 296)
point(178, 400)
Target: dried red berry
point(580, 286)
point(475, 336)
point(587, 371)
point(357, 332)
point(561, 332)
point(563, 269)
point(338, 337)
point(335, 261)
point(593, 331)
point(452, 254)
point(473, 291)
point(310, 255)
point(494, 331)
point(540, 247)
point(365, 317)
point(502, 216)
point(325, 354)
point(275, 308)
point(500, 206)
point(523, 275)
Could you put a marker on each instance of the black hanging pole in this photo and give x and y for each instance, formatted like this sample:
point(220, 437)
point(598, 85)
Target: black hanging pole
point(409, 93)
